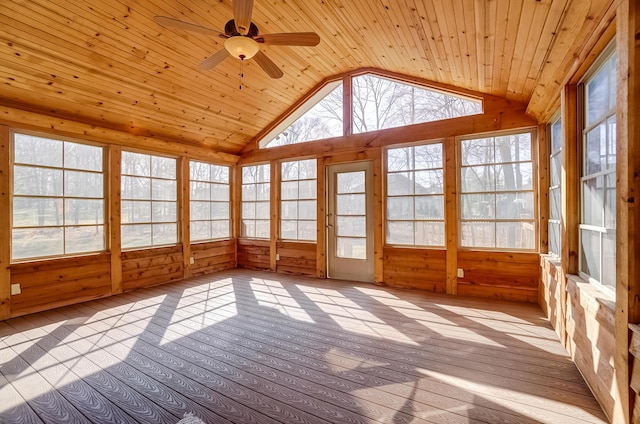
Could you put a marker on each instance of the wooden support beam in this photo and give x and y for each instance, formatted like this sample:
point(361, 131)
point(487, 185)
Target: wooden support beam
point(570, 197)
point(378, 220)
point(275, 213)
point(628, 191)
point(5, 223)
point(347, 105)
point(451, 214)
point(114, 191)
point(52, 125)
point(487, 122)
point(542, 164)
point(183, 214)
point(321, 234)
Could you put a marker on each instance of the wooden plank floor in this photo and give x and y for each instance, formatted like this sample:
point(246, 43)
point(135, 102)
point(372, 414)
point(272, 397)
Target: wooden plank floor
point(251, 347)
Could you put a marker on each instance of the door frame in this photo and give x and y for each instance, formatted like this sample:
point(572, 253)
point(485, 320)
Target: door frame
point(346, 268)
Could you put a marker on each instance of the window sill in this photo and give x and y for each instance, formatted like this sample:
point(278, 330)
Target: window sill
point(603, 297)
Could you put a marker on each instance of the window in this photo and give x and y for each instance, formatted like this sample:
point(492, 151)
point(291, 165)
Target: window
point(256, 188)
point(598, 181)
point(298, 205)
point(58, 198)
point(380, 103)
point(555, 190)
point(320, 117)
point(209, 201)
point(415, 196)
point(496, 193)
point(149, 196)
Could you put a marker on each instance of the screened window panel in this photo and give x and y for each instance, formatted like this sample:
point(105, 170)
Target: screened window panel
point(415, 201)
point(298, 205)
point(58, 196)
point(255, 206)
point(597, 227)
point(210, 210)
point(497, 201)
point(149, 201)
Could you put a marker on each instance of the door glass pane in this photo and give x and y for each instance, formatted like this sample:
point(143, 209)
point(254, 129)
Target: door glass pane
point(350, 182)
point(353, 248)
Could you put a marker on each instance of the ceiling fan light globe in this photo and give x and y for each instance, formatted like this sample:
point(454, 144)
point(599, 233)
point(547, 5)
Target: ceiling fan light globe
point(241, 47)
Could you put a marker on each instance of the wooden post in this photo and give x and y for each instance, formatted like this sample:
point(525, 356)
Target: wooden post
point(628, 196)
point(570, 178)
point(378, 220)
point(542, 163)
point(184, 215)
point(5, 223)
point(321, 234)
point(115, 220)
point(235, 189)
point(451, 214)
point(275, 213)
point(347, 105)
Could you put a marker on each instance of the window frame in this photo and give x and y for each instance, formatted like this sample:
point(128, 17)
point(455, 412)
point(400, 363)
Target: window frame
point(151, 222)
point(104, 197)
point(211, 201)
point(298, 199)
point(242, 184)
point(602, 230)
point(555, 155)
point(534, 220)
point(413, 170)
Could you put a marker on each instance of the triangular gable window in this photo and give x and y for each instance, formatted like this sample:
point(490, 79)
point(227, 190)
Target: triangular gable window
point(377, 103)
point(320, 117)
point(380, 103)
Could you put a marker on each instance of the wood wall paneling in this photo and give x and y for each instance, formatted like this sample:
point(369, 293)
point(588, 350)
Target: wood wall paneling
point(414, 268)
point(5, 223)
point(590, 326)
point(213, 256)
point(297, 258)
point(500, 275)
point(254, 254)
point(150, 267)
point(52, 283)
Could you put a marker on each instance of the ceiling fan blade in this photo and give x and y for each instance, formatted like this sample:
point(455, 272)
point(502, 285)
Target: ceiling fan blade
point(242, 15)
point(213, 60)
point(290, 39)
point(267, 65)
point(175, 23)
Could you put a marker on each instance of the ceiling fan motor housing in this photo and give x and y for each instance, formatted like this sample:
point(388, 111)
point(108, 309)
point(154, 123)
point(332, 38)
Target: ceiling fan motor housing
point(231, 30)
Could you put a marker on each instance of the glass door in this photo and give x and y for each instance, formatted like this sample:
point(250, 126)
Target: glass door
point(350, 221)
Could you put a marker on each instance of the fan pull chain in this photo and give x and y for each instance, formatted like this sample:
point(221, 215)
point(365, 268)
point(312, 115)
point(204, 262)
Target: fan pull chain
point(241, 70)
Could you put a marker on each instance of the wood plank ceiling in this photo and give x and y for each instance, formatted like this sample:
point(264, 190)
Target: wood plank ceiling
point(108, 63)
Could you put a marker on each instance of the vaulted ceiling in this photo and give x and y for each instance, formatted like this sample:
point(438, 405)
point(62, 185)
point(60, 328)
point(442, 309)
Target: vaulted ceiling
point(110, 64)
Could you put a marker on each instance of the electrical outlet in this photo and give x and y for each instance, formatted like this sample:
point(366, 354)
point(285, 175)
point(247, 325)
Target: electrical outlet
point(277, 256)
point(460, 273)
point(15, 289)
point(192, 260)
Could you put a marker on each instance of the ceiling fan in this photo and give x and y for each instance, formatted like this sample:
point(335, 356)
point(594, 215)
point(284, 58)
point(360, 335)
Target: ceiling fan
point(242, 38)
